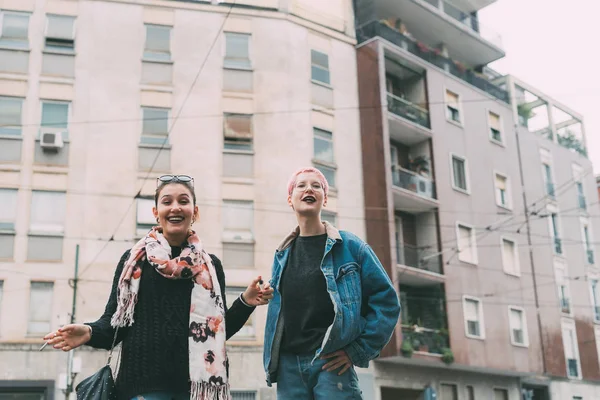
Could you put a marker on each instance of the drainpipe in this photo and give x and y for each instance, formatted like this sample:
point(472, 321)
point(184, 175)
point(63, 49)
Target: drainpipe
point(512, 95)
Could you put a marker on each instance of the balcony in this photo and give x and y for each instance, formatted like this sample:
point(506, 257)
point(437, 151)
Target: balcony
point(434, 21)
point(415, 257)
point(590, 256)
point(412, 192)
point(432, 56)
point(425, 340)
point(407, 110)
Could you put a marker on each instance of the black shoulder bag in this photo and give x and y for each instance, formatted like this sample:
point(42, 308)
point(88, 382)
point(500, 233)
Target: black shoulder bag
point(101, 385)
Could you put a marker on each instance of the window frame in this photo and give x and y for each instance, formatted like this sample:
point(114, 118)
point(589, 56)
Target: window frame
point(570, 325)
point(29, 333)
point(155, 140)
point(250, 149)
point(44, 128)
point(588, 241)
point(480, 316)
point(466, 172)
point(591, 278)
point(68, 51)
point(560, 268)
point(53, 233)
point(454, 385)
point(502, 141)
point(149, 59)
point(15, 46)
point(243, 338)
point(524, 326)
point(239, 66)
point(507, 195)
point(247, 236)
point(19, 127)
point(517, 265)
point(458, 109)
point(313, 65)
point(139, 226)
point(475, 260)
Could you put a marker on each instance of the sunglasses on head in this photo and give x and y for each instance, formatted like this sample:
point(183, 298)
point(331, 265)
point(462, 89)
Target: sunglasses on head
point(186, 179)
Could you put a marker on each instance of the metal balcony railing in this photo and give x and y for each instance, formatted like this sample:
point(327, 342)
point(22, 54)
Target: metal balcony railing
point(472, 23)
point(408, 110)
point(416, 257)
point(414, 182)
point(376, 28)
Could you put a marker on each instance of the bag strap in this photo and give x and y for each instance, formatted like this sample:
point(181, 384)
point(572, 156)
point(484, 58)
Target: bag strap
point(112, 347)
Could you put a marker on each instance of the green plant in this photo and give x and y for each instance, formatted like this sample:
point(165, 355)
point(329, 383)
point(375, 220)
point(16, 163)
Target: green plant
point(525, 111)
point(419, 164)
point(570, 141)
point(407, 349)
point(447, 355)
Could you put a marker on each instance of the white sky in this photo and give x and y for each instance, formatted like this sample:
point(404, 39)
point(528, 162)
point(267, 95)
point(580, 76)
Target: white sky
point(554, 46)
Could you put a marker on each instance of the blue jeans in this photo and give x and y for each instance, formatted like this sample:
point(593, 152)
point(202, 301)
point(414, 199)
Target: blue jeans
point(297, 379)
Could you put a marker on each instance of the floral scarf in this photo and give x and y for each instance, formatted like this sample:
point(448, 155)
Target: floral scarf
point(208, 357)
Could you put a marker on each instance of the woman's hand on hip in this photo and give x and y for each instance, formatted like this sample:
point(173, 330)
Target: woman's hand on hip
point(257, 294)
point(69, 337)
point(338, 359)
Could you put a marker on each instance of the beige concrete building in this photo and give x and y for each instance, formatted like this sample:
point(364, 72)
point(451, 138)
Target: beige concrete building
point(98, 98)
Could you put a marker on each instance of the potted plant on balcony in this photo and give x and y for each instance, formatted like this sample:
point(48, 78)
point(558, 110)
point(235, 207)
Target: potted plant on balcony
point(407, 349)
point(447, 356)
point(525, 112)
point(420, 165)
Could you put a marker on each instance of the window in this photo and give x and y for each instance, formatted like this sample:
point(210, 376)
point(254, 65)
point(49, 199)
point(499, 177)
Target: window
point(580, 196)
point(453, 107)
point(330, 217)
point(467, 246)
point(247, 331)
point(54, 130)
point(597, 336)
point(40, 308)
point(548, 181)
point(595, 292)
point(46, 226)
point(319, 70)
point(158, 43)
point(563, 290)
point(586, 236)
point(495, 127)
point(60, 33)
point(8, 212)
point(238, 156)
point(237, 51)
point(243, 394)
point(470, 392)
point(502, 193)
point(145, 219)
point(518, 326)
point(554, 232)
point(459, 174)
point(500, 394)
point(55, 115)
point(571, 350)
point(155, 126)
point(510, 257)
point(448, 391)
point(323, 145)
point(15, 27)
point(10, 116)
point(238, 234)
point(473, 317)
point(329, 173)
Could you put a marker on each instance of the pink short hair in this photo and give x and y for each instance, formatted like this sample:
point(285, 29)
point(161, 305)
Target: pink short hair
point(292, 181)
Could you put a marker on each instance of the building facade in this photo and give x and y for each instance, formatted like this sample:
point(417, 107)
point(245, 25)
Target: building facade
point(98, 98)
point(458, 205)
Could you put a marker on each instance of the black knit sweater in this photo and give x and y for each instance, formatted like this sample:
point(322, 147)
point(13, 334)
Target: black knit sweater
point(154, 354)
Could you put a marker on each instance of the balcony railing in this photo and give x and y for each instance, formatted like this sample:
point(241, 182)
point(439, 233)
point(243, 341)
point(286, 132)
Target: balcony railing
point(472, 23)
point(425, 340)
point(565, 305)
point(415, 257)
point(590, 256)
point(557, 245)
point(414, 182)
point(408, 110)
point(376, 28)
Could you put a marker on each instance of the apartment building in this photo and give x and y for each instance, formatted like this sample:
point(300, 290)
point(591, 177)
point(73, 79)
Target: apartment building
point(456, 171)
point(98, 98)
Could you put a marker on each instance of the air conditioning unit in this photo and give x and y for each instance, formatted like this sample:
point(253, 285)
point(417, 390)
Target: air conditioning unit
point(51, 140)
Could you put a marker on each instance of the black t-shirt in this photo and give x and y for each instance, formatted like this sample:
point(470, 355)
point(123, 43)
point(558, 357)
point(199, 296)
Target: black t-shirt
point(306, 305)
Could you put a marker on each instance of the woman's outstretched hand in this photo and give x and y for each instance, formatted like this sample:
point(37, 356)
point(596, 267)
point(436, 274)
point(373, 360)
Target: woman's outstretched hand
point(69, 337)
point(257, 296)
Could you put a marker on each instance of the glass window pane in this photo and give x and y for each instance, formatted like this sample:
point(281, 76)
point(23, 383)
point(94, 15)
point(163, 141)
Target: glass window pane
point(40, 307)
point(158, 43)
point(458, 167)
point(236, 45)
point(237, 81)
point(471, 310)
point(48, 212)
point(323, 145)
point(8, 208)
point(156, 121)
point(494, 121)
point(508, 249)
point(329, 216)
point(55, 115)
point(319, 59)
point(15, 26)
point(238, 215)
point(452, 99)
point(329, 174)
point(44, 248)
point(320, 74)
point(144, 213)
point(7, 245)
point(60, 27)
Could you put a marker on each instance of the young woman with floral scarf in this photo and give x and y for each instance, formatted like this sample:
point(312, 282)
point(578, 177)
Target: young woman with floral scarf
point(168, 301)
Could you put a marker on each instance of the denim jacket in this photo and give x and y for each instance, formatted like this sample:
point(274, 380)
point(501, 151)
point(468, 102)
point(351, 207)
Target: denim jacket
point(365, 303)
